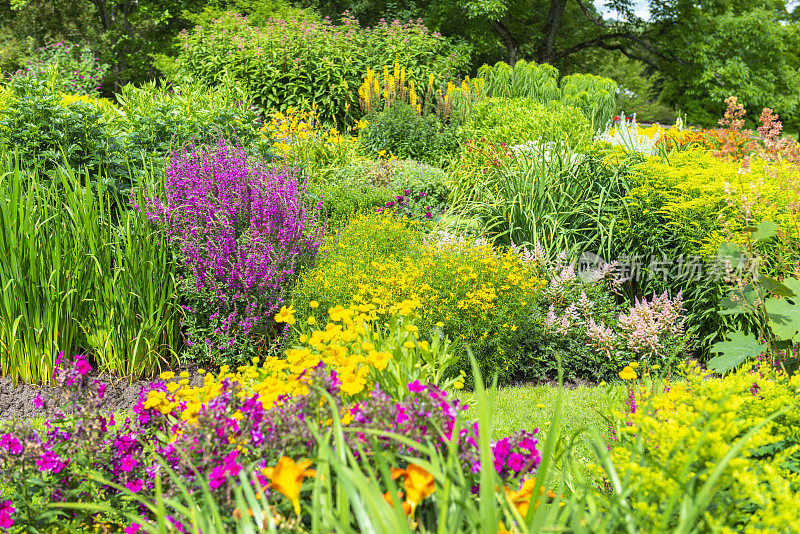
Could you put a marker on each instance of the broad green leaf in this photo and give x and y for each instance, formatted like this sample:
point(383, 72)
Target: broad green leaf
point(728, 307)
point(731, 251)
point(784, 318)
point(766, 230)
point(734, 351)
point(773, 286)
point(794, 286)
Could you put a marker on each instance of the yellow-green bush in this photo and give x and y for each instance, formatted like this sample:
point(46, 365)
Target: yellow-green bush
point(678, 438)
point(686, 194)
point(683, 207)
point(519, 120)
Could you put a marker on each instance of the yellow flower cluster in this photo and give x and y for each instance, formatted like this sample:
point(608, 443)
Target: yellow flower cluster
point(292, 127)
point(103, 103)
point(691, 427)
point(346, 344)
point(377, 92)
point(690, 193)
point(475, 289)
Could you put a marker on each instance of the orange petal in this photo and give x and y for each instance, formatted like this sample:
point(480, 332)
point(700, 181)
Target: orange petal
point(397, 473)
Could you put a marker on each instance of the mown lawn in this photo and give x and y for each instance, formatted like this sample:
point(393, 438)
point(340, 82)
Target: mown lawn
point(529, 407)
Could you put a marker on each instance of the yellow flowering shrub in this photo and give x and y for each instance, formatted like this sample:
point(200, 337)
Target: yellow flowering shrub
point(682, 207)
point(478, 294)
point(299, 137)
point(377, 92)
point(102, 104)
point(679, 437)
point(686, 194)
point(348, 342)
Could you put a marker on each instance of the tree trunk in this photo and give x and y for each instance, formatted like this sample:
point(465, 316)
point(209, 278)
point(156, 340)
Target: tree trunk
point(512, 47)
point(102, 11)
point(551, 25)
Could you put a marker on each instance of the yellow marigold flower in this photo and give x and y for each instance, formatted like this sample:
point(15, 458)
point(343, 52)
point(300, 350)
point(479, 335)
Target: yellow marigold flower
point(286, 315)
point(287, 478)
point(634, 364)
point(313, 304)
point(184, 374)
point(409, 344)
point(627, 373)
point(167, 375)
point(312, 320)
point(352, 384)
point(656, 367)
point(411, 328)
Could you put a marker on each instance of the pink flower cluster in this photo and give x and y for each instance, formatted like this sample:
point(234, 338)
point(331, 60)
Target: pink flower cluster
point(241, 226)
point(647, 323)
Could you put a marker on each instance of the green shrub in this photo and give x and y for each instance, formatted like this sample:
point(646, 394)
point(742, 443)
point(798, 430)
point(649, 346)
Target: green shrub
point(340, 203)
point(157, 118)
point(524, 80)
point(43, 132)
point(309, 64)
point(541, 193)
point(594, 95)
point(401, 132)
point(65, 68)
point(47, 129)
point(396, 175)
point(518, 120)
point(675, 212)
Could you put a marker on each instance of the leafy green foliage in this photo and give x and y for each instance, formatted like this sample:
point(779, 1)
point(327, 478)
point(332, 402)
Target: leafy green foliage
point(594, 95)
point(547, 195)
point(518, 120)
point(523, 80)
point(66, 68)
point(401, 132)
point(326, 63)
point(81, 271)
point(39, 129)
point(47, 129)
point(735, 351)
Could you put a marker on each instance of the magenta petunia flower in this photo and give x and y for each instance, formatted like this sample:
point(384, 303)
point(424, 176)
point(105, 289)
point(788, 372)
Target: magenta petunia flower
point(416, 386)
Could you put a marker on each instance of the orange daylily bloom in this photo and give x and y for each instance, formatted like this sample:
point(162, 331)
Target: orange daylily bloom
point(418, 483)
point(405, 505)
point(287, 478)
point(521, 499)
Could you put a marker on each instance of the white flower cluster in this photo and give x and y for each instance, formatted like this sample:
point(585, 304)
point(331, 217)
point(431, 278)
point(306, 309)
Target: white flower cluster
point(628, 136)
point(444, 240)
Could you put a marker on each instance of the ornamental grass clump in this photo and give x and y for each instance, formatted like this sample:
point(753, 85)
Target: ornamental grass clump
point(242, 228)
